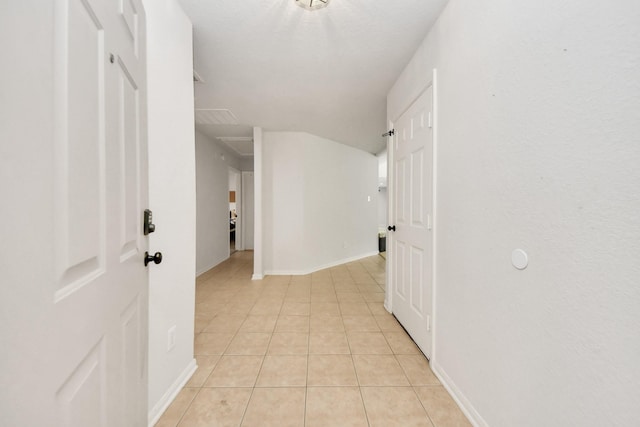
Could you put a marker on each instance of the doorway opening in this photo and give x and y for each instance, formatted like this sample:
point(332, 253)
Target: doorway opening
point(235, 202)
point(383, 203)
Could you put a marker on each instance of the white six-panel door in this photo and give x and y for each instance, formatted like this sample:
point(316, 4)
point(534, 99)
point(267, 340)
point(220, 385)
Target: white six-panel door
point(412, 213)
point(77, 338)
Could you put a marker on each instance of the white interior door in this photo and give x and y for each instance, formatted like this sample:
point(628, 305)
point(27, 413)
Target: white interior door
point(412, 213)
point(74, 186)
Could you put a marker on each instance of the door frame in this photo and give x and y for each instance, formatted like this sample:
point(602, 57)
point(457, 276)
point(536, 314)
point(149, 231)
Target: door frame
point(388, 302)
point(237, 176)
point(245, 239)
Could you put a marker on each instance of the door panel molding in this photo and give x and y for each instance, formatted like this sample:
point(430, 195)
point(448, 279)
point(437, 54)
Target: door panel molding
point(79, 146)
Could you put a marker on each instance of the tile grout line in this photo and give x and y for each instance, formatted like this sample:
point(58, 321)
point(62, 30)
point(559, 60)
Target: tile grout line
point(306, 382)
point(364, 406)
point(246, 408)
point(188, 406)
point(433, 424)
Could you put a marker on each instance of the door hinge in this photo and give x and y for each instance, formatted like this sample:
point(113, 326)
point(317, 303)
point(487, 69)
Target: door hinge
point(390, 133)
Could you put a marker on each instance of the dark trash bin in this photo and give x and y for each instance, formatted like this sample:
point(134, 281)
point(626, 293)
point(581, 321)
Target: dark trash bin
point(382, 243)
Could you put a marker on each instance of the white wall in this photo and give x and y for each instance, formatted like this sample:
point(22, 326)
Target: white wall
point(172, 199)
point(212, 176)
point(538, 124)
point(316, 211)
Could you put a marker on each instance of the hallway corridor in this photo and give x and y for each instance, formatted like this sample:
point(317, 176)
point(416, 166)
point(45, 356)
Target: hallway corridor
point(315, 350)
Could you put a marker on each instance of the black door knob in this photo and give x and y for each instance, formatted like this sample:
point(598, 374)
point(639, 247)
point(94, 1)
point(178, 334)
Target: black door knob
point(156, 258)
point(391, 228)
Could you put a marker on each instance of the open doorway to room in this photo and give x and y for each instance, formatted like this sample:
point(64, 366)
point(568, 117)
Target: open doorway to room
point(235, 208)
point(383, 203)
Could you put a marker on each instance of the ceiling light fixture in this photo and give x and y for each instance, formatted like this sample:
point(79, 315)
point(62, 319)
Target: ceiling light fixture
point(312, 4)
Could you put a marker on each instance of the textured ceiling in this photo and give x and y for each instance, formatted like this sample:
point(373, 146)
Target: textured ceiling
point(326, 72)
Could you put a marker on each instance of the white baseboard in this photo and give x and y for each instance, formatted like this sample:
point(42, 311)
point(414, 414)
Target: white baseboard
point(465, 406)
point(203, 270)
point(319, 267)
point(257, 277)
point(387, 306)
point(166, 399)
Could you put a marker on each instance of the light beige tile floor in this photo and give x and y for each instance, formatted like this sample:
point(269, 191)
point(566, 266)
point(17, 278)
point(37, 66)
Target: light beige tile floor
point(315, 350)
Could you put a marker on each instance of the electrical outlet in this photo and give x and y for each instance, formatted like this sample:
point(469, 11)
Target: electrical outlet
point(171, 338)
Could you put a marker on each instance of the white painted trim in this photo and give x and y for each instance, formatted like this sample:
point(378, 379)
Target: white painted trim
point(168, 397)
point(237, 176)
point(388, 294)
point(318, 268)
point(210, 266)
point(257, 277)
point(465, 405)
point(387, 306)
point(434, 203)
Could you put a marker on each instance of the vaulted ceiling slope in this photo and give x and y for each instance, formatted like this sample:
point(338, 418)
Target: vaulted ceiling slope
point(326, 72)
